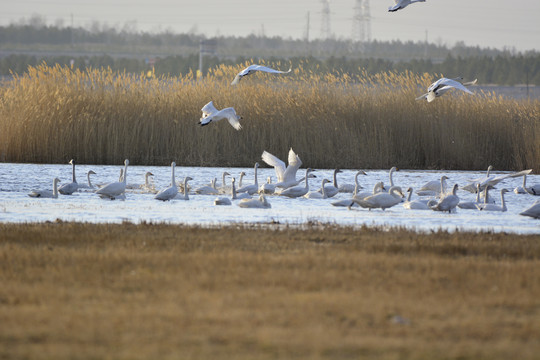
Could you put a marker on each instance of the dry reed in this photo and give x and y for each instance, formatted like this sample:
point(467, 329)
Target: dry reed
point(82, 291)
point(52, 114)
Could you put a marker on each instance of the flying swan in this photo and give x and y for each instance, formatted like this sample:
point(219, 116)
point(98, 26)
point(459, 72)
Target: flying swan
point(401, 4)
point(211, 114)
point(254, 68)
point(286, 175)
point(441, 86)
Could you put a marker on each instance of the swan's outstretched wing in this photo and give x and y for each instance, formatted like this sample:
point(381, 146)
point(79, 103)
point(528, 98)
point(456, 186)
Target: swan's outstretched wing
point(423, 97)
point(233, 118)
point(444, 82)
point(208, 109)
point(272, 160)
point(252, 68)
point(292, 168)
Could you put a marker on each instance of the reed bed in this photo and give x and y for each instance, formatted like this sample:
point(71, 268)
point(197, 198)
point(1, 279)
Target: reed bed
point(83, 291)
point(53, 114)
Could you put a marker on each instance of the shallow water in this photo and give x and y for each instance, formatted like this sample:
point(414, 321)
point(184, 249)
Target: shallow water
point(17, 180)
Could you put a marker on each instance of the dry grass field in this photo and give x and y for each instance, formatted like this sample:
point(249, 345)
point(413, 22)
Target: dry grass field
point(81, 291)
point(53, 114)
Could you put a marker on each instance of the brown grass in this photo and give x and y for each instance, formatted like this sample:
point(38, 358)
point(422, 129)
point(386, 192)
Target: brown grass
point(372, 121)
point(79, 291)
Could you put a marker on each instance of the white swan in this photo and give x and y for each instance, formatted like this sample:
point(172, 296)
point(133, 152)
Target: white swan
point(494, 207)
point(352, 188)
point(70, 188)
point(147, 186)
point(447, 202)
point(268, 188)
point(252, 188)
point(260, 203)
point(401, 4)
point(253, 68)
point(382, 200)
point(286, 175)
point(470, 205)
point(185, 194)
point(524, 189)
point(208, 189)
point(533, 211)
point(89, 185)
point(391, 178)
point(433, 188)
point(415, 204)
point(298, 191)
point(331, 190)
point(319, 194)
point(114, 190)
point(349, 202)
point(441, 86)
point(224, 188)
point(211, 114)
point(47, 193)
point(170, 192)
point(491, 180)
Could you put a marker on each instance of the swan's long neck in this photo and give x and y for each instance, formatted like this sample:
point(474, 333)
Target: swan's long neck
point(146, 182)
point(186, 196)
point(173, 182)
point(478, 193)
point(335, 178)
point(223, 180)
point(307, 177)
point(233, 188)
point(256, 181)
point(390, 175)
point(409, 196)
point(503, 204)
point(125, 173)
point(524, 181)
point(442, 186)
point(55, 188)
point(356, 185)
point(73, 172)
point(89, 182)
point(486, 194)
point(323, 190)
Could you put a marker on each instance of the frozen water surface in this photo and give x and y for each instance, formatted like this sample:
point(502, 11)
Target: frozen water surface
point(17, 180)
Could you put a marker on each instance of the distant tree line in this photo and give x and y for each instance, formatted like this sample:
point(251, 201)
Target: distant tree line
point(122, 49)
point(497, 70)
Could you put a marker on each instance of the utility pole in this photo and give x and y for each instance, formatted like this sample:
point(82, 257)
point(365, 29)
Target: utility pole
point(325, 20)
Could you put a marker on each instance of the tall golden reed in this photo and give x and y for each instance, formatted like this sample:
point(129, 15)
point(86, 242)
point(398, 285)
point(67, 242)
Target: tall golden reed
point(52, 114)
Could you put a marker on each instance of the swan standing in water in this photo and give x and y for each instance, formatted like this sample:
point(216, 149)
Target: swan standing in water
point(415, 204)
point(185, 194)
point(254, 68)
point(533, 211)
point(224, 188)
point(331, 190)
point(47, 193)
point(402, 4)
point(211, 114)
point(524, 189)
point(253, 188)
point(382, 200)
point(227, 201)
point(115, 190)
point(286, 175)
point(440, 87)
point(298, 191)
point(349, 202)
point(493, 207)
point(260, 203)
point(447, 203)
point(352, 188)
point(70, 188)
point(170, 192)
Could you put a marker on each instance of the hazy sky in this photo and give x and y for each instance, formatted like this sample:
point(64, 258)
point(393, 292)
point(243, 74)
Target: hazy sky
point(493, 23)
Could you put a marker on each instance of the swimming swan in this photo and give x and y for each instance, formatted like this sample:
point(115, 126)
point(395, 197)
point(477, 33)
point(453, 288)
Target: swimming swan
point(447, 202)
point(254, 68)
point(494, 207)
point(415, 204)
point(352, 188)
point(297, 191)
point(382, 200)
point(70, 188)
point(332, 190)
point(433, 188)
point(89, 185)
point(533, 211)
point(211, 114)
point(208, 189)
point(47, 193)
point(185, 194)
point(115, 189)
point(441, 86)
point(260, 203)
point(170, 192)
point(471, 205)
point(350, 202)
point(253, 188)
point(319, 194)
point(286, 175)
point(401, 4)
